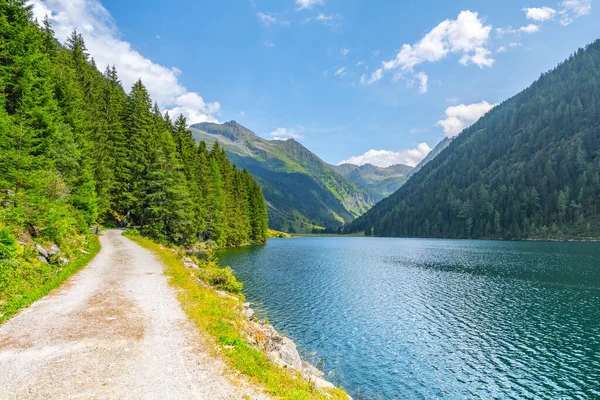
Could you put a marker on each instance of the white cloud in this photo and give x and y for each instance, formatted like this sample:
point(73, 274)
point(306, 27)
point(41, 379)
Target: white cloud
point(481, 58)
point(358, 64)
point(304, 4)
point(266, 19)
point(462, 116)
point(465, 35)
point(242, 113)
point(573, 9)
point(268, 43)
point(531, 28)
point(341, 72)
point(323, 17)
point(101, 36)
point(501, 49)
point(158, 37)
point(568, 12)
point(540, 14)
point(423, 79)
point(375, 76)
point(386, 158)
point(193, 107)
point(345, 51)
point(376, 52)
point(284, 134)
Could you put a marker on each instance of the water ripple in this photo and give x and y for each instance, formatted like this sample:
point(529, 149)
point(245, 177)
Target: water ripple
point(422, 319)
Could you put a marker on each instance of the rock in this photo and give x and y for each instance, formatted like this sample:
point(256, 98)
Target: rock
point(42, 259)
point(248, 312)
point(42, 252)
point(62, 261)
point(289, 354)
point(9, 192)
point(311, 370)
point(34, 230)
point(189, 263)
point(83, 251)
point(53, 250)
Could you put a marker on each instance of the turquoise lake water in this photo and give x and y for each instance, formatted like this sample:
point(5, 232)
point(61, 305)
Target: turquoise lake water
point(426, 319)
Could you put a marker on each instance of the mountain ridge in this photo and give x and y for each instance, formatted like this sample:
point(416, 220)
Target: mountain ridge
point(302, 191)
point(529, 168)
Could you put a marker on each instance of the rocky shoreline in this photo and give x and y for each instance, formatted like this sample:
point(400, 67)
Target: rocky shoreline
point(280, 349)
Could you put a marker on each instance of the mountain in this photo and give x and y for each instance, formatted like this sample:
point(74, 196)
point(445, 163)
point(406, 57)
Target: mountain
point(530, 168)
point(301, 190)
point(381, 182)
point(433, 154)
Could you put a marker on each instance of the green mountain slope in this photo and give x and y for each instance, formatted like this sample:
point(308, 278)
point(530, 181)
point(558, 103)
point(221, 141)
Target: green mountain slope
point(381, 182)
point(301, 190)
point(530, 168)
point(433, 154)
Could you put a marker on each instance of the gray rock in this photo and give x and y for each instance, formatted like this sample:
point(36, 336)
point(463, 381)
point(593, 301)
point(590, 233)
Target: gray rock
point(248, 312)
point(42, 259)
point(62, 261)
point(53, 250)
point(190, 264)
point(289, 354)
point(42, 252)
point(34, 230)
point(9, 192)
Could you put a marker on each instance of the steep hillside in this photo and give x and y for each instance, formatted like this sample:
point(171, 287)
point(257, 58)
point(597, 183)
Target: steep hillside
point(301, 190)
point(433, 154)
point(381, 182)
point(530, 168)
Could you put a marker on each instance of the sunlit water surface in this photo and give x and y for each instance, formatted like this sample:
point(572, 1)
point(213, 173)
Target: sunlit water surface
point(423, 319)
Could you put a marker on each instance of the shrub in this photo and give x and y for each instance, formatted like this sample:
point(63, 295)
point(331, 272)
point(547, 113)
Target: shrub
point(8, 244)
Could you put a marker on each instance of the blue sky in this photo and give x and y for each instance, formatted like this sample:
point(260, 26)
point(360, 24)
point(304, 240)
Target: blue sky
point(343, 77)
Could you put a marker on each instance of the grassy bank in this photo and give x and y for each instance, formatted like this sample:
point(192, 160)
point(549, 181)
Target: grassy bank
point(25, 280)
point(220, 317)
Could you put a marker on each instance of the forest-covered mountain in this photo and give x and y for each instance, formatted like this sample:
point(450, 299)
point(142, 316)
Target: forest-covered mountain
point(530, 168)
point(381, 182)
point(301, 190)
point(432, 154)
point(76, 149)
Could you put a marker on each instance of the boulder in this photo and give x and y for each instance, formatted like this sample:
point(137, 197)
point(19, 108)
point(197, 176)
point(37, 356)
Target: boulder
point(42, 259)
point(289, 354)
point(42, 252)
point(248, 312)
point(53, 250)
point(62, 261)
point(34, 230)
point(189, 263)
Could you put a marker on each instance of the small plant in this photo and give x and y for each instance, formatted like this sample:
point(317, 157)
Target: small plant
point(8, 244)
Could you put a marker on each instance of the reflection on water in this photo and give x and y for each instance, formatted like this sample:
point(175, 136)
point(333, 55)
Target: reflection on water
point(423, 319)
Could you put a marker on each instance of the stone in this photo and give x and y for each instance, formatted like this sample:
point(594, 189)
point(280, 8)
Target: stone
point(42, 252)
point(248, 311)
point(189, 263)
point(53, 250)
point(289, 353)
point(62, 261)
point(34, 230)
point(42, 260)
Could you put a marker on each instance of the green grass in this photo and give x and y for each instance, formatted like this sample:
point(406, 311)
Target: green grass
point(25, 280)
point(220, 317)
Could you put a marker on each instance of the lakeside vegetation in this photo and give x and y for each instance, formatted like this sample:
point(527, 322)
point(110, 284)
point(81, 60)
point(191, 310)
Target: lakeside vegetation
point(24, 279)
point(77, 150)
point(220, 317)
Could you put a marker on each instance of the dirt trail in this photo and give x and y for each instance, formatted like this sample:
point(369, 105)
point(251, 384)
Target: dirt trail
point(113, 331)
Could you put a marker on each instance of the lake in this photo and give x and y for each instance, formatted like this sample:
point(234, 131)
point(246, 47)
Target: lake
point(423, 319)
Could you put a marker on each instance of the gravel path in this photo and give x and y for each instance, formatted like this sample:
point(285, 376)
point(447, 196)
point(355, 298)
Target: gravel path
point(113, 331)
